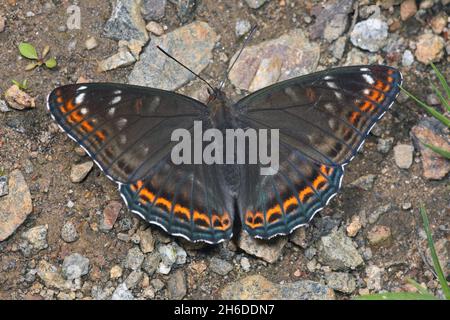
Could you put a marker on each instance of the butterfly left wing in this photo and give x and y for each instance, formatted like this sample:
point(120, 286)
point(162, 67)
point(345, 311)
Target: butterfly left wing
point(323, 119)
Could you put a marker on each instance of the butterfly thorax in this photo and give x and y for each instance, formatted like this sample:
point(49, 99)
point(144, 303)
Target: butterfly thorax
point(222, 112)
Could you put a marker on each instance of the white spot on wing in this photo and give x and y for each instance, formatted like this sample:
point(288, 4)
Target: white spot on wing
point(364, 69)
point(121, 123)
point(332, 85)
point(116, 100)
point(81, 88)
point(368, 79)
point(111, 111)
point(338, 95)
point(291, 93)
point(80, 98)
point(329, 107)
point(123, 139)
point(84, 111)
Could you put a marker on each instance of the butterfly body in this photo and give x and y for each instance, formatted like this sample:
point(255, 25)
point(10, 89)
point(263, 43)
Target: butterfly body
point(322, 119)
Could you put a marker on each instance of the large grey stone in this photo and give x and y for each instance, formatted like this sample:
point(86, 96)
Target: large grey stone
point(370, 34)
point(191, 44)
point(286, 57)
point(16, 206)
point(126, 22)
point(338, 251)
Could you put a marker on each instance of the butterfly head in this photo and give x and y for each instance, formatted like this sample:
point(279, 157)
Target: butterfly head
point(215, 94)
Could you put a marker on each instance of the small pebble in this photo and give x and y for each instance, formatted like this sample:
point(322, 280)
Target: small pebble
point(69, 232)
point(155, 28)
point(115, 272)
point(385, 145)
point(242, 27)
point(91, 43)
point(406, 205)
point(245, 264)
point(407, 58)
point(379, 235)
point(220, 266)
point(75, 266)
point(3, 186)
point(408, 8)
point(2, 23)
point(354, 226)
point(80, 171)
point(134, 259)
point(403, 155)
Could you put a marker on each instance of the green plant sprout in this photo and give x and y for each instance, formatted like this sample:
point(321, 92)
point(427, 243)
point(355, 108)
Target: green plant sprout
point(22, 85)
point(444, 98)
point(28, 51)
point(422, 293)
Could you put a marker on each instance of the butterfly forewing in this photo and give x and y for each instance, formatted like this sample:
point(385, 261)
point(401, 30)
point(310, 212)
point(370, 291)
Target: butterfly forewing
point(125, 129)
point(326, 115)
point(323, 119)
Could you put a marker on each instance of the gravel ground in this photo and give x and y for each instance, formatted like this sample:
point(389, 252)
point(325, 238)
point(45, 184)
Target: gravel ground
point(64, 231)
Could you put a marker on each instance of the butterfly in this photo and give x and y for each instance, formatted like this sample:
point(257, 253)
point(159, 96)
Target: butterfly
point(323, 119)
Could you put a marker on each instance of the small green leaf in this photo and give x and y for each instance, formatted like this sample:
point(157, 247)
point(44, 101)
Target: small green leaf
point(17, 83)
point(397, 296)
point(28, 51)
point(31, 66)
point(437, 265)
point(51, 63)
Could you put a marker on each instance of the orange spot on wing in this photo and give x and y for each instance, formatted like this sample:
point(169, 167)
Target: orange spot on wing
point(182, 210)
point(203, 217)
point(317, 183)
point(292, 201)
point(367, 106)
point(164, 202)
point(100, 135)
point(145, 193)
point(354, 117)
point(276, 210)
point(251, 219)
point(305, 192)
point(221, 222)
point(87, 126)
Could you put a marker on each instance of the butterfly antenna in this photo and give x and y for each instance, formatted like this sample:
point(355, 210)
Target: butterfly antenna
point(250, 35)
point(198, 76)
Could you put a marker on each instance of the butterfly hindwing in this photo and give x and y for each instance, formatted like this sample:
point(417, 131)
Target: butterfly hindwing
point(277, 204)
point(185, 200)
point(323, 119)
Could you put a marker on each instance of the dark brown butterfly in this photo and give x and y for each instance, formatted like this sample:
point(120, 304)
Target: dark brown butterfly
point(323, 119)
